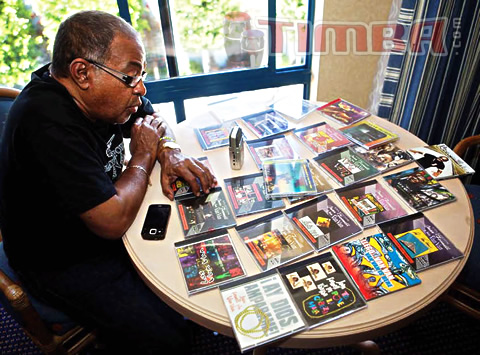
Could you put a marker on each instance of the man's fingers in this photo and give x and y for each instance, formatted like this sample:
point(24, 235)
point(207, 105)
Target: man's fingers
point(166, 186)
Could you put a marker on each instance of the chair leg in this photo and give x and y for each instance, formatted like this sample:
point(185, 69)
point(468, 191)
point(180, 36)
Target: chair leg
point(367, 347)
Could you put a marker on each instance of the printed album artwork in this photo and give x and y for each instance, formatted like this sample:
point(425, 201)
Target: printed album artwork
point(214, 136)
point(276, 147)
point(288, 177)
point(343, 112)
point(266, 123)
point(440, 161)
point(260, 310)
point(247, 194)
point(322, 222)
point(208, 261)
point(273, 240)
point(376, 265)
point(384, 157)
point(345, 166)
point(321, 138)
point(321, 289)
point(419, 189)
point(368, 134)
point(205, 213)
point(294, 108)
point(370, 203)
point(181, 188)
point(420, 241)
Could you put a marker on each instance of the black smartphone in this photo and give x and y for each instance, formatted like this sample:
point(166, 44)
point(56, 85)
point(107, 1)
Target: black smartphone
point(156, 222)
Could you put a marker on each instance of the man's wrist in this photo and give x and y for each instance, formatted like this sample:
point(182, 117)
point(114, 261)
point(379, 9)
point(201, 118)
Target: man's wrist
point(167, 142)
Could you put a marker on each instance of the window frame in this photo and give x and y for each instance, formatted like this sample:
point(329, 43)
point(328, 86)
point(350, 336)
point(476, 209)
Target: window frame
point(177, 88)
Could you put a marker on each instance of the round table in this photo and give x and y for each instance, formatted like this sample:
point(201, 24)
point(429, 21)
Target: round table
point(158, 265)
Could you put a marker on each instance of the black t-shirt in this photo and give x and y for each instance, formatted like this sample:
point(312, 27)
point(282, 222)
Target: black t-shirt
point(54, 165)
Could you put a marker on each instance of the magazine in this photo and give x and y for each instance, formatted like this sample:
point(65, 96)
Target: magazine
point(247, 194)
point(267, 123)
point(214, 136)
point(376, 265)
point(205, 213)
point(440, 161)
point(345, 166)
point(384, 157)
point(370, 203)
point(419, 189)
point(260, 310)
point(181, 188)
point(321, 137)
point(276, 147)
point(343, 112)
point(322, 222)
point(368, 134)
point(294, 108)
point(321, 289)
point(273, 240)
point(208, 261)
point(288, 177)
point(420, 241)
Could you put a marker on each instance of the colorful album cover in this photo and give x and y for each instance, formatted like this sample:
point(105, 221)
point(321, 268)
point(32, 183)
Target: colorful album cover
point(321, 289)
point(214, 136)
point(376, 265)
point(440, 161)
point(260, 309)
point(247, 194)
point(419, 189)
point(368, 134)
point(267, 123)
point(345, 166)
point(322, 222)
point(288, 177)
point(343, 112)
point(294, 108)
point(384, 157)
point(321, 138)
point(208, 261)
point(421, 242)
point(273, 240)
point(370, 203)
point(276, 147)
point(205, 213)
point(181, 188)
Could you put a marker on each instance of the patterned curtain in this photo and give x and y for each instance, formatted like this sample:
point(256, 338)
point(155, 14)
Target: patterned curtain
point(431, 83)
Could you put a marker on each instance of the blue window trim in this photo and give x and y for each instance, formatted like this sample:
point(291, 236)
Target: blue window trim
point(178, 89)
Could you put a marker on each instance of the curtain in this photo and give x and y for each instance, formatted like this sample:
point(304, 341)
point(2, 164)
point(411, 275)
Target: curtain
point(431, 83)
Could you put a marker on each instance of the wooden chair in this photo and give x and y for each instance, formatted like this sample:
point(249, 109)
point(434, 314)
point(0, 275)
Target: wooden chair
point(465, 292)
point(50, 329)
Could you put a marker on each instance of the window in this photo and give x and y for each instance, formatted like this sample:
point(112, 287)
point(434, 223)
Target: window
point(194, 47)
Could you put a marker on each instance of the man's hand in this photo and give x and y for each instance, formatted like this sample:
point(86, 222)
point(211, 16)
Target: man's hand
point(145, 134)
point(175, 164)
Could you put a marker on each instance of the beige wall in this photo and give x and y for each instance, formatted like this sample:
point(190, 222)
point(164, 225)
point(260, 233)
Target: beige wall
point(349, 76)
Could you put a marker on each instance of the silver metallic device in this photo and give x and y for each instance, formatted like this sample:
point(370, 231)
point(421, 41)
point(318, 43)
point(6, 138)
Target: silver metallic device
point(236, 149)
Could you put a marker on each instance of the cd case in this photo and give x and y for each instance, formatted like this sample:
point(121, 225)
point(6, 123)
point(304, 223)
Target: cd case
point(368, 134)
point(214, 136)
point(267, 123)
point(343, 112)
point(321, 137)
point(276, 147)
point(296, 109)
point(181, 188)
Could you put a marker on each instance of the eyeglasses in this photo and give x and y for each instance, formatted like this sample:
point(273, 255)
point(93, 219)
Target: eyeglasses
point(130, 81)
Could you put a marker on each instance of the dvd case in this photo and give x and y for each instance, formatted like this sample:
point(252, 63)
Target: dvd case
point(420, 241)
point(343, 112)
point(288, 177)
point(419, 189)
point(370, 203)
point(267, 123)
point(205, 213)
point(321, 289)
point(208, 261)
point(247, 194)
point(273, 240)
point(271, 148)
point(345, 166)
point(321, 137)
point(181, 188)
point(322, 222)
point(368, 134)
point(214, 136)
point(384, 157)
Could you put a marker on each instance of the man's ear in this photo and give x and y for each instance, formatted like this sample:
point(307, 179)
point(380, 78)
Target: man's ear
point(80, 71)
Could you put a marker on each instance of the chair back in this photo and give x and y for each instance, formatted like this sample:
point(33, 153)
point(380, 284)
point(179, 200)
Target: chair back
point(7, 96)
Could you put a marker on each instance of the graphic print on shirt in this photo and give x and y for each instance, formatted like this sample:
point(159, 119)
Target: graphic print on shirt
point(116, 156)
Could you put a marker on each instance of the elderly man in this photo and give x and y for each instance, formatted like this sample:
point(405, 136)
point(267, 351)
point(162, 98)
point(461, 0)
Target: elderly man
point(66, 200)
